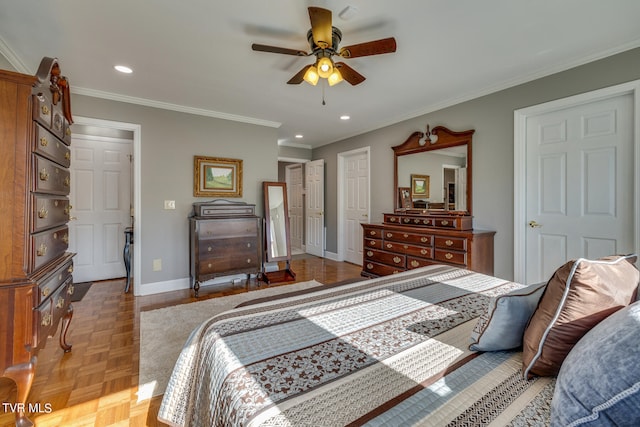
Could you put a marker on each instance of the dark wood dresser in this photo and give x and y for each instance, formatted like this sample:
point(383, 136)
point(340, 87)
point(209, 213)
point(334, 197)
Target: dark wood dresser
point(225, 239)
point(35, 268)
point(404, 241)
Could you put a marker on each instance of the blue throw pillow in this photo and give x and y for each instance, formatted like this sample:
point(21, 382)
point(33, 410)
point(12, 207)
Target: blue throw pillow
point(599, 381)
point(502, 325)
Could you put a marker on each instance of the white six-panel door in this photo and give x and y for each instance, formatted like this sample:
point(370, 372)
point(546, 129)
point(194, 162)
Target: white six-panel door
point(101, 200)
point(579, 184)
point(356, 204)
point(314, 177)
point(295, 183)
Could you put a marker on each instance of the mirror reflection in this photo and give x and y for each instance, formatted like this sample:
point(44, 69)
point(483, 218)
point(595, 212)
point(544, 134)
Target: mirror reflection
point(445, 170)
point(277, 226)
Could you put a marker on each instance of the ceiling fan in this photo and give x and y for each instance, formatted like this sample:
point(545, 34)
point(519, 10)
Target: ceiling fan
point(324, 40)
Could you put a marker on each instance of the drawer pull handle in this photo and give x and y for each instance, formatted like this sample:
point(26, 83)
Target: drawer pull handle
point(407, 220)
point(389, 245)
point(209, 249)
point(395, 272)
point(57, 122)
point(43, 141)
point(444, 222)
point(424, 239)
point(45, 110)
point(448, 255)
point(209, 265)
point(42, 250)
point(405, 235)
point(417, 221)
point(67, 210)
point(67, 155)
point(372, 242)
point(67, 181)
point(389, 235)
point(425, 221)
point(46, 291)
point(60, 303)
point(372, 232)
point(415, 263)
point(42, 213)
point(46, 320)
point(248, 260)
point(70, 269)
point(369, 266)
point(405, 246)
point(68, 132)
point(397, 259)
point(44, 175)
point(65, 238)
point(369, 253)
point(392, 219)
point(248, 245)
point(448, 242)
point(70, 289)
point(423, 251)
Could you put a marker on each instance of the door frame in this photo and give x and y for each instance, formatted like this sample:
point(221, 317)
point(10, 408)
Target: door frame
point(136, 177)
point(289, 189)
point(519, 162)
point(340, 194)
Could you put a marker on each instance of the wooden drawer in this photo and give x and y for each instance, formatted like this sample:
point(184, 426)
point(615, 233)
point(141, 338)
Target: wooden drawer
point(419, 251)
point(228, 247)
point(376, 269)
point(413, 262)
point(455, 223)
point(49, 313)
point(42, 110)
point(47, 245)
point(400, 236)
point(396, 260)
point(49, 146)
point(373, 243)
point(452, 257)
point(228, 265)
point(49, 177)
point(372, 233)
point(48, 211)
point(52, 282)
point(215, 229)
point(455, 243)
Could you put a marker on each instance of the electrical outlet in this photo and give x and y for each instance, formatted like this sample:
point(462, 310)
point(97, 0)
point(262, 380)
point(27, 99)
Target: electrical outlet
point(157, 264)
point(169, 204)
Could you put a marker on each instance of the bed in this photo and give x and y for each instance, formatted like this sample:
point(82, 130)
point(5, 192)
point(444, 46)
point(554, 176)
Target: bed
point(387, 351)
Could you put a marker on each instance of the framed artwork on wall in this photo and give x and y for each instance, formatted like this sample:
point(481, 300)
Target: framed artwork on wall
point(217, 177)
point(419, 186)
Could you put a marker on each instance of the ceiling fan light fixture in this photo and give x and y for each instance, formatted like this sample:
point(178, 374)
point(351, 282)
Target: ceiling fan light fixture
point(325, 67)
point(312, 76)
point(335, 77)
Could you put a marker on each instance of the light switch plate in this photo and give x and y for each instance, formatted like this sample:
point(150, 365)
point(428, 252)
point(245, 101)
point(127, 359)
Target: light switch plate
point(169, 204)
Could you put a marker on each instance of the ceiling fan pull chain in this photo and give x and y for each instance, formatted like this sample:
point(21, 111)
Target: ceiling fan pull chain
point(323, 103)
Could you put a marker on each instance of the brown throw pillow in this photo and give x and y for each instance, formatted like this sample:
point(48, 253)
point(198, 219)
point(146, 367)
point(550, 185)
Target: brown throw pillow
point(578, 296)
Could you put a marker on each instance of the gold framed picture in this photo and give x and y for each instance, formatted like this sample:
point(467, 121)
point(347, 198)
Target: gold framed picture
point(419, 186)
point(217, 177)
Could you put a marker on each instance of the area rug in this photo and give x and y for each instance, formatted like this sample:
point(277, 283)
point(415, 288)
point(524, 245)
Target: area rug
point(164, 331)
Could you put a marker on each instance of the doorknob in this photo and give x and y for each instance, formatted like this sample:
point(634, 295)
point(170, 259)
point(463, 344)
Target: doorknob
point(534, 224)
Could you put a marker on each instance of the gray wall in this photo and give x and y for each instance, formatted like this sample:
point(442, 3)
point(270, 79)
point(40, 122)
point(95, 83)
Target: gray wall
point(492, 118)
point(169, 142)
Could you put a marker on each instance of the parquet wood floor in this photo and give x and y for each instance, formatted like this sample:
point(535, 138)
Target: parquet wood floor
point(96, 383)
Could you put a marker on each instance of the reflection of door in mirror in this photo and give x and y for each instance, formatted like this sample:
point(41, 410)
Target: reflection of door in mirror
point(277, 243)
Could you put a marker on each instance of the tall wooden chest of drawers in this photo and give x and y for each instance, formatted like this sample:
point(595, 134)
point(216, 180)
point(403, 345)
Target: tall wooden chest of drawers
point(35, 268)
point(225, 239)
point(403, 242)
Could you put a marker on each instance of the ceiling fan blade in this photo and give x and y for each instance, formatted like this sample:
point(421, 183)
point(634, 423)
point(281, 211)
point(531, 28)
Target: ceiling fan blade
point(321, 27)
point(349, 74)
point(299, 77)
point(376, 47)
point(274, 49)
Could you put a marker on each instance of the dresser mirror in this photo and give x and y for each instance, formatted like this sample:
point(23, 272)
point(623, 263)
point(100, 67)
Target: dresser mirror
point(277, 241)
point(434, 168)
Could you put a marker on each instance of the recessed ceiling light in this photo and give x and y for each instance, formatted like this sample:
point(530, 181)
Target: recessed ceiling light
point(345, 117)
point(123, 69)
point(299, 136)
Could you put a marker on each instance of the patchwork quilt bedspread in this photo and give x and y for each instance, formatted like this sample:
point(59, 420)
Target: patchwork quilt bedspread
point(388, 351)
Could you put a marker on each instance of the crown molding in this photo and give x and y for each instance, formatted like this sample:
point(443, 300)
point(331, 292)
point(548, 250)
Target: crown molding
point(13, 59)
point(173, 107)
point(294, 144)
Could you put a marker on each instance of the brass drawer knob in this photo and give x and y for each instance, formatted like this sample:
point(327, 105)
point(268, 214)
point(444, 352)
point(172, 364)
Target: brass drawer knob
point(46, 291)
point(42, 250)
point(46, 320)
point(369, 253)
point(369, 266)
point(397, 259)
point(43, 212)
point(67, 155)
point(45, 110)
point(389, 235)
point(209, 265)
point(424, 239)
point(389, 245)
point(67, 210)
point(448, 255)
point(448, 242)
point(248, 245)
point(60, 303)
point(423, 251)
point(248, 260)
point(415, 263)
point(70, 289)
point(417, 221)
point(444, 222)
point(209, 249)
point(43, 141)
point(44, 175)
point(405, 235)
point(372, 242)
point(372, 232)
point(65, 238)
point(70, 269)
point(67, 181)
point(68, 131)
point(392, 219)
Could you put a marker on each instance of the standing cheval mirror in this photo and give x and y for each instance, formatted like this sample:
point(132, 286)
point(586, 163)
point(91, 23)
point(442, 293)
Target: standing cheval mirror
point(276, 232)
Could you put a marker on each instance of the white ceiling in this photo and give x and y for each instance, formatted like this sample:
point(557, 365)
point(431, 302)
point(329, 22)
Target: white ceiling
point(196, 55)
